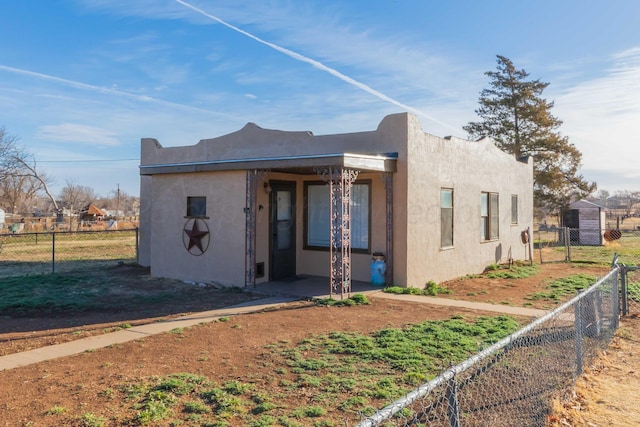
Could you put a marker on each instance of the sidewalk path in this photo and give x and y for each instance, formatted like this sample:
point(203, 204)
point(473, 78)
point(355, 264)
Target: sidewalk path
point(484, 306)
point(80, 346)
point(99, 341)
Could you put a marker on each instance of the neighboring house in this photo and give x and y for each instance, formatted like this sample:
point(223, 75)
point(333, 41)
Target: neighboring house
point(260, 205)
point(91, 213)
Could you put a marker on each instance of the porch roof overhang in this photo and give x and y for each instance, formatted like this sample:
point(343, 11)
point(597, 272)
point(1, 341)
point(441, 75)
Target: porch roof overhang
point(304, 164)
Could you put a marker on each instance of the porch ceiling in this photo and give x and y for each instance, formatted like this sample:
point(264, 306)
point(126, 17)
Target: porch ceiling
point(306, 164)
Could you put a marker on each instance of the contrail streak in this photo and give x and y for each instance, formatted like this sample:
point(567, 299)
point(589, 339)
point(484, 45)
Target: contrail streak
point(320, 66)
point(85, 86)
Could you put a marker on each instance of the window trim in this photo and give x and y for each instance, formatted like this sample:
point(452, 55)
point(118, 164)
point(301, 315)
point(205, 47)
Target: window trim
point(305, 241)
point(451, 208)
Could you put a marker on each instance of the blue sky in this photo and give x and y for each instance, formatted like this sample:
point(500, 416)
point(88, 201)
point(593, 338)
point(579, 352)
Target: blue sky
point(81, 81)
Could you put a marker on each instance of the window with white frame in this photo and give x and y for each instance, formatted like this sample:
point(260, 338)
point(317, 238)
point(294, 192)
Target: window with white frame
point(489, 215)
point(446, 217)
point(317, 222)
point(514, 209)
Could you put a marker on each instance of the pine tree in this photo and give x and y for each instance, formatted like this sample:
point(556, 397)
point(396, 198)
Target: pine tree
point(519, 120)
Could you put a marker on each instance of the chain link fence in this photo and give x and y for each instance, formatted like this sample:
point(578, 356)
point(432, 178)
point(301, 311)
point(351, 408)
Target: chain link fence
point(630, 290)
point(65, 251)
point(513, 382)
point(556, 244)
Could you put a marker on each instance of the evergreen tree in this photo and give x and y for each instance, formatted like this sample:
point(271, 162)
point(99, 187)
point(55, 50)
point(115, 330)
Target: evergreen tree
point(519, 120)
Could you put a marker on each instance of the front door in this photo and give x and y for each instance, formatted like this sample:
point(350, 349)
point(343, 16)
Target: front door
point(283, 229)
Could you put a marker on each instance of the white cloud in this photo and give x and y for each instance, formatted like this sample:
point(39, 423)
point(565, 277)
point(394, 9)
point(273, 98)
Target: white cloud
point(600, 117)
point(71, 132)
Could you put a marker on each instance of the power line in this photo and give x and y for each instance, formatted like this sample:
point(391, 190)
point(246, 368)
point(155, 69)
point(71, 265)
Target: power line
point(88, 161)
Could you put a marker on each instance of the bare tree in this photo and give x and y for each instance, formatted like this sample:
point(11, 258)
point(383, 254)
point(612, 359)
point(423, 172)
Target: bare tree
point(626, 201)
point(8, 145)
point(18, 192)
point(17, 163)
point(75, 197)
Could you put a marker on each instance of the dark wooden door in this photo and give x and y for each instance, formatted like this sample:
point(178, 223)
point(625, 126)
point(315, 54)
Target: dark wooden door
point(282, 212)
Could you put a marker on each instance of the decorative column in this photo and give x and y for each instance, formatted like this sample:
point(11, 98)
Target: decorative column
point(252, 180)
point(340, 182)
point(387, 179)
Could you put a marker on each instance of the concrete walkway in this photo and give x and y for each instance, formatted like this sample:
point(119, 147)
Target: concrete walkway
point(99, 341)
point(79, 346)
point(484, 306)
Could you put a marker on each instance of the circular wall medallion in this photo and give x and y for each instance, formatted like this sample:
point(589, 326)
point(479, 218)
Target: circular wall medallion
point(195, 236)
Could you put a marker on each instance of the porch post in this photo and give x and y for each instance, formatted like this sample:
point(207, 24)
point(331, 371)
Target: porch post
point(387, 178)
point(250, 228)
point(340, 182)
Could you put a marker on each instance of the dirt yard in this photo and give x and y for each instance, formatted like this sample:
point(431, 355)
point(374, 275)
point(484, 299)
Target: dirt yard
point(66, 391)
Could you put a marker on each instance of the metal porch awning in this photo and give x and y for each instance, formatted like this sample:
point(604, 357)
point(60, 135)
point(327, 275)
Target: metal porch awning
point(305, 164)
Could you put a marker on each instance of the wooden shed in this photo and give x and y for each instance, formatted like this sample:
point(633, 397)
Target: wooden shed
point(587, 222)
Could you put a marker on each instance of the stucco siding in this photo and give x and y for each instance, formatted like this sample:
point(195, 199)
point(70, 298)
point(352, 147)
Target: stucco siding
point(425, 164)
point(223, 262)
point(468, 168)
point(146, 208)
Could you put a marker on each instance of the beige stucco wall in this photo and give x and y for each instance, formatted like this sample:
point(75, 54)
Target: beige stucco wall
point(223, 262)
point(469, 168)
point(146, 207)
point(425, 165)
point(254, 142)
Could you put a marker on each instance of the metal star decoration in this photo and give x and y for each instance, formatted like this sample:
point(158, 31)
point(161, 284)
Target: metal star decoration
point(195, 236)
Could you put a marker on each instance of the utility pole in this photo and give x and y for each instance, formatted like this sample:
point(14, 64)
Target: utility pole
point(117, 201)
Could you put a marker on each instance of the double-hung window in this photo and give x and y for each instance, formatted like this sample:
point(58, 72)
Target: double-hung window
point(514, 209)
point(446, 217)
point(317, 216)
point(489, 215)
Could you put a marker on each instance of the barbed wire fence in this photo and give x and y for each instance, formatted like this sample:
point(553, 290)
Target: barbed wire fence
point(65, 251)
point(514, 381)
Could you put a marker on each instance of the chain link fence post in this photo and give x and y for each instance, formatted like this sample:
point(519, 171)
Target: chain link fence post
point(616, 301)
point(578, 326)
point(623, 279)
point(453, 411)
point(53, 252)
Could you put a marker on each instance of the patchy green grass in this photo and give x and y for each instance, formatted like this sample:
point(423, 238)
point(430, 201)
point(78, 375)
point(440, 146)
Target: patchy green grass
point(45, 293)
point(99, 291)
point(563, 287)
point(357, 299)
point(516, 271)
point(91, 420)
point(313, 382)
point(431, 289)
point(56, 410)
point(633, 290)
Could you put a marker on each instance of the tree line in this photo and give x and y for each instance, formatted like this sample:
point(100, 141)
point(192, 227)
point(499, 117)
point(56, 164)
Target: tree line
point(25, 189)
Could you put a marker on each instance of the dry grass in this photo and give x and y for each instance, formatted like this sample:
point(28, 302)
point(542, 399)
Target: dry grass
point(606, 394)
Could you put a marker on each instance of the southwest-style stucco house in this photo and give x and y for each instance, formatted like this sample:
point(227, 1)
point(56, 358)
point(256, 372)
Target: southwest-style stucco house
point(262, 205)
